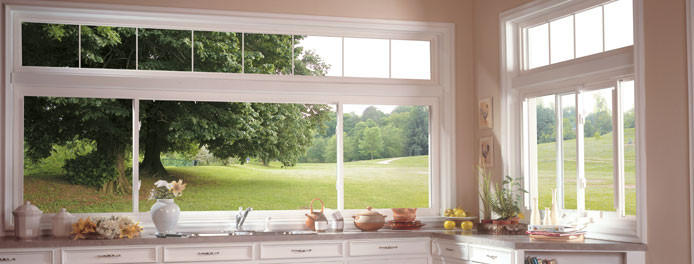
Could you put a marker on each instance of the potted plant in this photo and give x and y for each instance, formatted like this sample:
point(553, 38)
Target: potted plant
point(485, 194)
point(506, 199)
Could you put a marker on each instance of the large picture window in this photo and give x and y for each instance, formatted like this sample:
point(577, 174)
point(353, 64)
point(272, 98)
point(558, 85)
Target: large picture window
point(247, 114)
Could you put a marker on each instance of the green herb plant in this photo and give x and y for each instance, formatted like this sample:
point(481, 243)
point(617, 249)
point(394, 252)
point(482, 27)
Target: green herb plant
point(506, 198)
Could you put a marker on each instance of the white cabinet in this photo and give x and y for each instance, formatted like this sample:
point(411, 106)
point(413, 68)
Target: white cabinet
point(110, 255)
point(208, 253)
point(306, 249)
point(450, 249)
point(378, 247)
point(488, 255)
point(27, 257)
point(391, 261)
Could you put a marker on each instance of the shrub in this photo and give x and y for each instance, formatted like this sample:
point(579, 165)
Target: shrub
point(94, 169)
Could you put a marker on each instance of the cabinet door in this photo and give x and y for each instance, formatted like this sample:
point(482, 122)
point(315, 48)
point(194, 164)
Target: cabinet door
point(391, 261)
point(300, 250)
point(28, 257)
point(388, 247)
point(110, 255)
point(210, 253)
point(487, 255)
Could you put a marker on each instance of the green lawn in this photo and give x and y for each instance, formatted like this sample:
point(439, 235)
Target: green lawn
point(598, 171)
point(404, 182)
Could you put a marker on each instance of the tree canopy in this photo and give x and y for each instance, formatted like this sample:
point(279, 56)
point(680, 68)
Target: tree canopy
point(266, 131)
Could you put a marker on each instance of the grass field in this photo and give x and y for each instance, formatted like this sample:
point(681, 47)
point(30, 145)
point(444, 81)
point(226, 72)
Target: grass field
point(403, 182)
point(598, 171)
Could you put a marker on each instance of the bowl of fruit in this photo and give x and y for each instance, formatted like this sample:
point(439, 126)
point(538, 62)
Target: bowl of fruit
point(458, 216)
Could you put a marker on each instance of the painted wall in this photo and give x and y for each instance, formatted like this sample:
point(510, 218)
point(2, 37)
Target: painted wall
point(450, 11)
point(666, 115)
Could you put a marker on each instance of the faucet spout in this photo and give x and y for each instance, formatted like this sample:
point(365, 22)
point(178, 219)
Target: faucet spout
point(241, 217)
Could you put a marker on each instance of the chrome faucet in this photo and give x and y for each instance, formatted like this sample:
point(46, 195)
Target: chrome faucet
point(241, 217)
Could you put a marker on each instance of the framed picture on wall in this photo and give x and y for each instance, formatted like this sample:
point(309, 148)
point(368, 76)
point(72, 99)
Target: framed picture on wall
point(485, 113)
point(487, 151)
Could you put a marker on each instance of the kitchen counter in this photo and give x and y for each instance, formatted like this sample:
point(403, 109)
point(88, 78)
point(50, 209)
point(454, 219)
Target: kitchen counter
point(517, 242)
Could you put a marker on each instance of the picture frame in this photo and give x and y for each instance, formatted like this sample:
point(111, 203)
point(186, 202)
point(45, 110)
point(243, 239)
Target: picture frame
point(486, 151)
point(485, 113)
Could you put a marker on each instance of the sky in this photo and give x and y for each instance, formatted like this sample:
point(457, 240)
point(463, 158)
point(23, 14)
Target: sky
point(589, 99)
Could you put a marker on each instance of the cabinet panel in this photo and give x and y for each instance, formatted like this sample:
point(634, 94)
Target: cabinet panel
point(490, 255)
point(216, 253)
point(391, 261)
point(28, 257)
point(451, 250)
point(388, 247)
point(110, 255)
point(301, 250)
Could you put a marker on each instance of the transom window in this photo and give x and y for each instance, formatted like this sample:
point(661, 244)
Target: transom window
point(594, 30)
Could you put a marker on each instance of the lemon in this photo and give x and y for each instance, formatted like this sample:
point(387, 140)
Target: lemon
point(466, 225)
point(521, 216)
point(460, 213)
point(449, 225)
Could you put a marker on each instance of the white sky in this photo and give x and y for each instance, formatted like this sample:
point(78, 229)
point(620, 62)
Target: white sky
point(365, 57)
point(359, 109)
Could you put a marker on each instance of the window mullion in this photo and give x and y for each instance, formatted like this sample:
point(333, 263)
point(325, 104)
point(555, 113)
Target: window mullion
point(532, 147)
point(580, 159)
point(136, 155)
point(618, 139)
point(340, 184)
point(559, 141)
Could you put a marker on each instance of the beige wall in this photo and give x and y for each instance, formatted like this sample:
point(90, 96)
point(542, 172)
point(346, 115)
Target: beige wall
point(666, 115)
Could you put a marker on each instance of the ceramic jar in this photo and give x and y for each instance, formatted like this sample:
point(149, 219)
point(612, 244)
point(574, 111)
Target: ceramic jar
point(165, 215)
point(27, 221)
point(62, 223)
point(369, 220)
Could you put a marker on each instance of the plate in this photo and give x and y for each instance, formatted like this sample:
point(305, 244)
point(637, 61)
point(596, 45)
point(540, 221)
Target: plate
point(405, 225)
point(468, 218)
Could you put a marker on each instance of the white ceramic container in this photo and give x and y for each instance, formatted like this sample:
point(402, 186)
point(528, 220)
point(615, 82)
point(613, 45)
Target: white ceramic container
point(62, 223)
point(27, 221)
point(165, 215)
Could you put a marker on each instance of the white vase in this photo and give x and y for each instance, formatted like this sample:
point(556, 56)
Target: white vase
point(165, 215)
point(535, 218)
point(553, 214)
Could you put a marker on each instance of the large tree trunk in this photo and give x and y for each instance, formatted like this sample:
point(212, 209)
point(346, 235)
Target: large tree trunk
point(155, 138)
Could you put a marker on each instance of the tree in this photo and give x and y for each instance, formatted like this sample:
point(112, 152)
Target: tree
point(267, 131)
point(372, 143)
point(545, 123)
point(417, 132)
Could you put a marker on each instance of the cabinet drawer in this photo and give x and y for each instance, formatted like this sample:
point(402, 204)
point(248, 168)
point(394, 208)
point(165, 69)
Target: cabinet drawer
point(28, 257)
point(301, 250)
point(386, 247)
point(213, 253)
point(110, 255)
point(489, 255)
point(451, 250)
point(391, 261)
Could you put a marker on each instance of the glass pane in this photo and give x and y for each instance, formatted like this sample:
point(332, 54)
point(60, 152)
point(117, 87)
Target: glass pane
point(217, 51)
point(546, 149)
point(386, 153)
point(268, 156)
point(366, 57)
point(538, 46)
point(53, 45)
point(410, 59)
point(317, 56)
point(164, 49)
point(77, 154)
point(268, 54)
point(599, 159)
point(568, 109)
point(108, 47)
point(589, 32)
point(629, 146)
point(562, 39)
point(619, 24)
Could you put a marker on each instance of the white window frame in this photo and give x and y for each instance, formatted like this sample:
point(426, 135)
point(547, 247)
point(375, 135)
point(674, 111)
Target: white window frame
point(518, 84)
point(438, 93)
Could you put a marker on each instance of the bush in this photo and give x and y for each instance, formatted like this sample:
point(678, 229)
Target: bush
point(94, 169)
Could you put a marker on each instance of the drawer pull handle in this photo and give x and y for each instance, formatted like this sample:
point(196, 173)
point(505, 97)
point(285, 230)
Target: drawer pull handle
point(301, 250)
point(449, 249)
point(491, 256)
point(387, 247)
point(8, 259)
point(109, 256)
point(208, 253)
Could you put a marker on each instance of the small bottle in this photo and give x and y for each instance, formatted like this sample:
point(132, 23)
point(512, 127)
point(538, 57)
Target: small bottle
point(535, 218)
point(547, 220)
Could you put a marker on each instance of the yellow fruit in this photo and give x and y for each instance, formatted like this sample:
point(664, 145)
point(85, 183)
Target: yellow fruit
point(449, 225)
point(466, 225)
point(521, 216)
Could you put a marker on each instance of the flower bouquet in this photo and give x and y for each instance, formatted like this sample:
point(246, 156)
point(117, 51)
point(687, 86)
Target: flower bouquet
point(167, 190)
point(106, 228)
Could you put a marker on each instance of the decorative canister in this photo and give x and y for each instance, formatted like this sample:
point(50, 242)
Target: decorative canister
point(369, 220)
point(27, 221)
point(62, 223)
